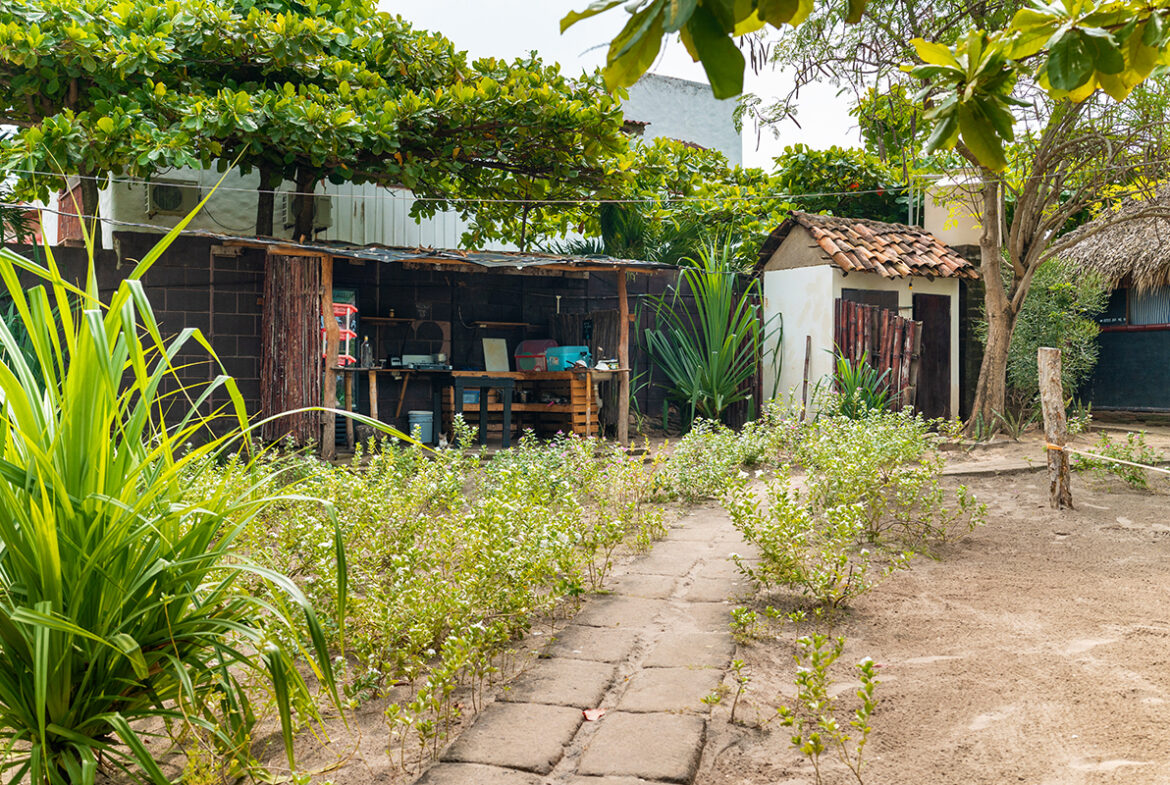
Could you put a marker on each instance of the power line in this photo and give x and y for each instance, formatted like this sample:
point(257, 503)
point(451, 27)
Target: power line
point(474, 200)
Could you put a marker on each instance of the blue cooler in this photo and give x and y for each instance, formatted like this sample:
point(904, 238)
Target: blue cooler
point(562, 358)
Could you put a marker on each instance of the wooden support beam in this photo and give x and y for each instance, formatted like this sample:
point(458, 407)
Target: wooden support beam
point(623, 402)
point(1055, 427)
point(332, 343)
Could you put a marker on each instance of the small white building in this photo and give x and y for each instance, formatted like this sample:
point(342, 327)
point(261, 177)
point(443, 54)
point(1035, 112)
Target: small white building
point(810, 261)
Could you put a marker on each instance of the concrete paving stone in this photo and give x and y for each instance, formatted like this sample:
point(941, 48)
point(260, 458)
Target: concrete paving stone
point(659, 747)
point(719, 568)
point(716, 589)
point(669, 689)
point(699, 616)
point(525, 736)
point(655, 587)
point(562, 682)
point(670, 558)
point(691, 650)
point(610, 781)
point(468, 773)
point(597, 644)
point(632, 613)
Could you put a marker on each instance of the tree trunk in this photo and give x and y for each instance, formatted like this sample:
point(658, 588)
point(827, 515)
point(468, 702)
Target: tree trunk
point(266, 201)
point(991, 389)
point(306, 182)
point(89, 210)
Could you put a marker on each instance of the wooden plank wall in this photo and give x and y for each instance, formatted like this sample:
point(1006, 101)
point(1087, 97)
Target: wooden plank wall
point(886, 341)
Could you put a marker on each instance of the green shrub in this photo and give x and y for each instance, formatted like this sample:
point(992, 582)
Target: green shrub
point(451, 557)
point(811, 551)
point(1134, 449)
point(886, 464)
point(122, 603)
point(1059, 311)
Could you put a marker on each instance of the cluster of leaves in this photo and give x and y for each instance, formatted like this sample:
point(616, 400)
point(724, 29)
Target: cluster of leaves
point(711, 350)
point(856, 183)
point(1070, 49)
point(302, 93)
point(1134, 450)
point(885, 463)
point(701, 462)
point(860, 389)
point(1060, 311)
point(872, 500)
point(676, 199)
point(123, 617)
point(815, 727)
point(450, 557)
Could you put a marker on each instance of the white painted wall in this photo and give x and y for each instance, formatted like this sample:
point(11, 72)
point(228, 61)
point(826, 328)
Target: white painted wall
point(805, 295)
point(685, 110)
point(361, 214)
point(951, 211)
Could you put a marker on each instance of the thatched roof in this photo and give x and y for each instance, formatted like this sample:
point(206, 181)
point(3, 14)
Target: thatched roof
point(1132, 240)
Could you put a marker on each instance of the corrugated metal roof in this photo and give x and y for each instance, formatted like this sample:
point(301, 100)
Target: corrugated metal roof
point(890, 250)
point(500, 260)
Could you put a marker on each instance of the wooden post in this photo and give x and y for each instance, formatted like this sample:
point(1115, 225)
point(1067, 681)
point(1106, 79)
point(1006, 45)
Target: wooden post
point(623, 402)
point(1055, 427)
point(804, 390)
point(350, 406)
point(373, 380)
point(332, 342)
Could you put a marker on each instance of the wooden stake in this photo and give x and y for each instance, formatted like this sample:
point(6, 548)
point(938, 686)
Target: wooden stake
point(332, 342)
point(623, 419)
point(804, 390)
point(1055, 427)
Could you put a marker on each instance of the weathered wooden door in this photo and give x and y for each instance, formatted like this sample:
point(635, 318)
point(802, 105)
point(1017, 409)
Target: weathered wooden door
point(933, 397)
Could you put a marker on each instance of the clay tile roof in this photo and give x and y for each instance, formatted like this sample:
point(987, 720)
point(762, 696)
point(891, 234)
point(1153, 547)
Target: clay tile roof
point(890, 250)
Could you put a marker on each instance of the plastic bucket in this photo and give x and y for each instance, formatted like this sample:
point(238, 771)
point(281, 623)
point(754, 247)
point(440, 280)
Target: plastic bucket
point(424, 421)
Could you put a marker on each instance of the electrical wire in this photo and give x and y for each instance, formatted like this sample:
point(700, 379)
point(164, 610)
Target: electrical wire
point(472, 200)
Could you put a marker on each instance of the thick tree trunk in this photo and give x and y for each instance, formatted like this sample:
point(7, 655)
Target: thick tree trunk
point(306, 182)
point(266, 201)
point(991, 389)
point(89, 210)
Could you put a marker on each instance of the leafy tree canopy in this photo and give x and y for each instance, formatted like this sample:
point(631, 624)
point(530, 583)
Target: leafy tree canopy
point(306, 90)
point(1071, 48)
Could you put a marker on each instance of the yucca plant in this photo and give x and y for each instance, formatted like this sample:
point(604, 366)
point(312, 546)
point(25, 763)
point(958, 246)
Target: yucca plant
point(711, 354)
point(122, 607)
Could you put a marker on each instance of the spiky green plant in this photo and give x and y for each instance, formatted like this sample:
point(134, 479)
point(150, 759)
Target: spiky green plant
point(121, 606)
point(710, 354)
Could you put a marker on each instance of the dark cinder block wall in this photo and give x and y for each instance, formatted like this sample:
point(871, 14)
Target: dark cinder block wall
point(199, 283)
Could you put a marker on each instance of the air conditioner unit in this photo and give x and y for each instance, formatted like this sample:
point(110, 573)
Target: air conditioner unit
point(171, 197)
point(290, 205)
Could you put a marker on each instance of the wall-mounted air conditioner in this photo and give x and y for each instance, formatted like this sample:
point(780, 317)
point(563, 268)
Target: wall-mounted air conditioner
point(289, 205)
point(171, 197)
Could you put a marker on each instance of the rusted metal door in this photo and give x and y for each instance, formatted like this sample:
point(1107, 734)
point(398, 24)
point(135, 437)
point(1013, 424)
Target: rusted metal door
point(934, 365)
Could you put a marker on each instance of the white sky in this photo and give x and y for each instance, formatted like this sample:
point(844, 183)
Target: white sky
point(510, 28)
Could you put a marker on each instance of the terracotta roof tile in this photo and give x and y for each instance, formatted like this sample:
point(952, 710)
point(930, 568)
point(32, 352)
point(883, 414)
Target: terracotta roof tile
point(891, 250)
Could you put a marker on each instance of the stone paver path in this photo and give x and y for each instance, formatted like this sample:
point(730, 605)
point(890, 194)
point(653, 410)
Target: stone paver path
point(647, 653)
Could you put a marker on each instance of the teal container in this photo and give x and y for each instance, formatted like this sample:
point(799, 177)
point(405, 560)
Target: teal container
point(561, 358)
point(424, 421)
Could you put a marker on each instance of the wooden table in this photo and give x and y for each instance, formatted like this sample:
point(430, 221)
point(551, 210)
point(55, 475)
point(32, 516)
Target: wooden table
point(580, 413)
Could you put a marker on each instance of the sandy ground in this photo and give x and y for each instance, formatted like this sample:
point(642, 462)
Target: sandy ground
point(1037, 650)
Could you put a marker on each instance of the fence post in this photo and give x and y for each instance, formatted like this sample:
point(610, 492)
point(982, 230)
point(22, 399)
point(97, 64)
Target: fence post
point(1055, 427)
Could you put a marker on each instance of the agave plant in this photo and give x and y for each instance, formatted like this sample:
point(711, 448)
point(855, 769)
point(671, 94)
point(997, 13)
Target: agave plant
point(862, 389)
point(711, 354)
point(122, 607)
